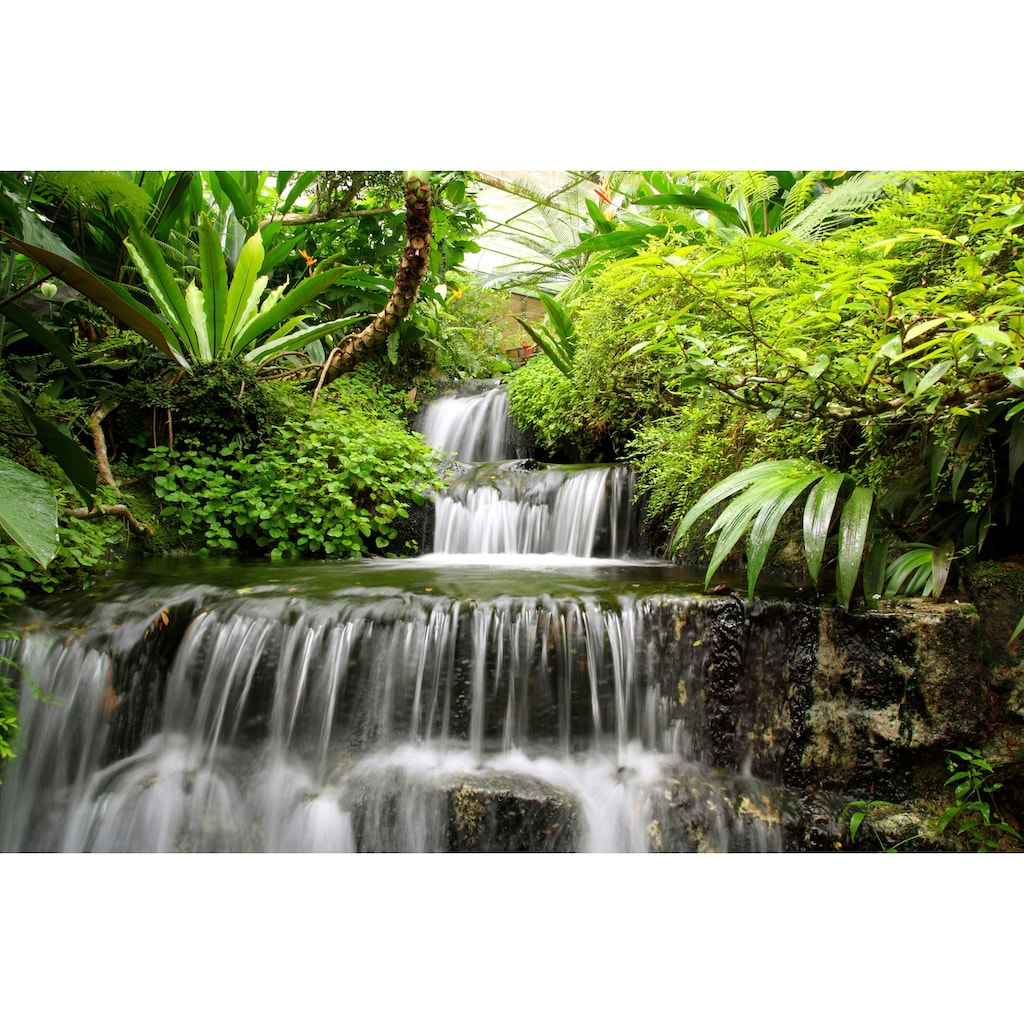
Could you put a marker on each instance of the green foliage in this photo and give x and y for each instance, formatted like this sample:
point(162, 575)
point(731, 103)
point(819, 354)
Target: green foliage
point(225, 321)
point(335, 482)
point(676, 456)
point(760, 495)
point(28, 512)
point(557, 342)
point(216, 403)
point(973, 807)
point(82, 545)
point(543, 400)
point(900, 336)
point(8, 710)
point(467, 333)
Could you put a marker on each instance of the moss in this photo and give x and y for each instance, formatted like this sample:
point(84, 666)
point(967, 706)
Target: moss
point(1005, 576)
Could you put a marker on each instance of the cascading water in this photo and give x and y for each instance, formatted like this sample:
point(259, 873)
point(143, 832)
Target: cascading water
point(522, 688)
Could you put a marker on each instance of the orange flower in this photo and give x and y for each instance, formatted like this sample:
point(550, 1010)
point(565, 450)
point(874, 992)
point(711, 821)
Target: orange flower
point(310, 260)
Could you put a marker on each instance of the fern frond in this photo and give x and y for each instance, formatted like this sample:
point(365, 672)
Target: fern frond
point(98, 188)
point(800, 195)
point(850, 197)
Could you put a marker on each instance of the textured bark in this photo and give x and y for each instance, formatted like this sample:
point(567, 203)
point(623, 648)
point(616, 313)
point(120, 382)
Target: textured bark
point(411, 269)
point(100, 445)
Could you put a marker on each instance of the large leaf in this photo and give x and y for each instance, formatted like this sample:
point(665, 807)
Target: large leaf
point(301, 295)
point(71, 271)
point(38, 333)
point(163, 288)
point(70, 456)
point(737, 481)
point(853, 533)
point(699, 200)
point(762, 533)
point(243, 294)
point(818, 512)
point(297, 339)
point(28, 511)
point(213, 274)
point(547, 345)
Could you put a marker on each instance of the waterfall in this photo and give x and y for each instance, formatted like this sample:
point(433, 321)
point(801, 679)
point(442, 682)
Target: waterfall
point(373, 718)
point(525, 687)
point(469, 425)
point(520, 506)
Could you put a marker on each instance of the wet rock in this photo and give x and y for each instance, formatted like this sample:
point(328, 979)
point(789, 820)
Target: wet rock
point(509, 814)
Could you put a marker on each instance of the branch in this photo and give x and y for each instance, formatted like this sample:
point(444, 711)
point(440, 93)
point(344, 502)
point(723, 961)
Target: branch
point(121, 511)
point(95, 424)
point(320, 216)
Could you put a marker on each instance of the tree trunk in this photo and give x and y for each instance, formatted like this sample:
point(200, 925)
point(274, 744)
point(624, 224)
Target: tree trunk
point(411, 271)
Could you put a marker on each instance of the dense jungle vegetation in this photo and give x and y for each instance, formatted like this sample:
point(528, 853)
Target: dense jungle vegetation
point(821, 368)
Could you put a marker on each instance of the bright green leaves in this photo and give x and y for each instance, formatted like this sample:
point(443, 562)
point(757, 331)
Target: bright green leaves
point(818, 513)
point(761, 495)
point(217, 320)
point(558, 343)
point(338, 484)
point(758, 498)
point(28, 511)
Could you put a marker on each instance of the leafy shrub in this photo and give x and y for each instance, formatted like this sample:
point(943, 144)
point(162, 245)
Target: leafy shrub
point(336, 481)
point(470, 332)
point(217, 403)
point(543, 401)
point(680, 455)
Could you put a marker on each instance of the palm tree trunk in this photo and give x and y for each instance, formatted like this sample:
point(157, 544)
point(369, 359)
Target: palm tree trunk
point(411, 270)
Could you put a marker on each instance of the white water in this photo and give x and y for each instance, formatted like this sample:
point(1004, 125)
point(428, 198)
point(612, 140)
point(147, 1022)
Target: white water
point(371, 716)
point(470, 428)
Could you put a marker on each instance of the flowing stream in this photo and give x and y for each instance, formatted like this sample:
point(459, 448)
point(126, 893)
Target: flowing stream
point(526, 686)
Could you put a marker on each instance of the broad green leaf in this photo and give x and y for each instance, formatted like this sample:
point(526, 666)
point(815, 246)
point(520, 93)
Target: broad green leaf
point(942, 559)
point(163, 288)
point(297, 340)
point(818, 512)
point(922, 328)
point(561, 320)
point(234, 189)
point(213, 274)
point(932, 376)
point(547, 345)
point(38, 333)
point(853, 532)
point(737, 516)
point(762, 533)
point(106, 295)
point(28, 511)
point(70, 455)
point(726, 488)
point(699, 200)
point(241, 297)
point(1016, 446)
point(270, 317)
point(197, 312)
point(910, 571)
point(873, 574)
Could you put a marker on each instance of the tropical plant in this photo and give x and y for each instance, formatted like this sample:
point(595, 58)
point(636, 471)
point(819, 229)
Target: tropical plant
point(900, 336)
point(222, 321)
point(28, 511)
point(762, 494)
point(558, 342)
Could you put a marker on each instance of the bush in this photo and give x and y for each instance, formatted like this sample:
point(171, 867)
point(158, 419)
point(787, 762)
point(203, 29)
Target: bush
point(336, 481)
